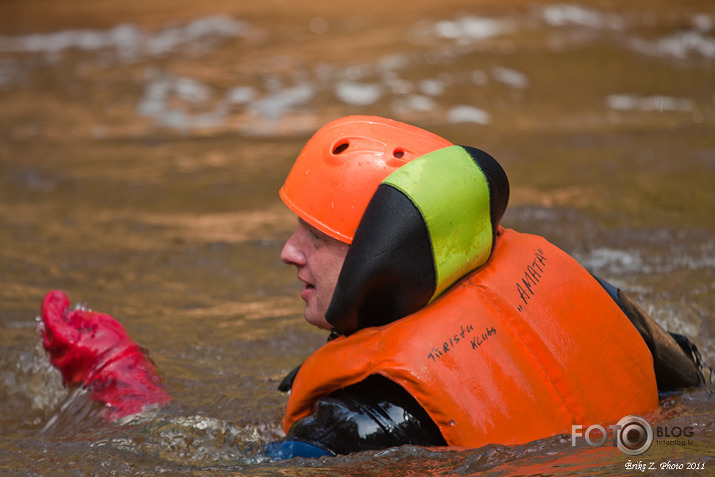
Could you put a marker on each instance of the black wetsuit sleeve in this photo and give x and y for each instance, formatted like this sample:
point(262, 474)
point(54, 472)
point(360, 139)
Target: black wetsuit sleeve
point(373, 414)
point(676, 360)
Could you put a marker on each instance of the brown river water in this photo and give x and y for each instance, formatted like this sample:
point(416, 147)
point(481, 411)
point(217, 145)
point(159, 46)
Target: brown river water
point(142, 145)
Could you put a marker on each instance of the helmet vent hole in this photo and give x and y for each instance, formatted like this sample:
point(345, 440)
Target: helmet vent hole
point(398, 153)
point(340, 148)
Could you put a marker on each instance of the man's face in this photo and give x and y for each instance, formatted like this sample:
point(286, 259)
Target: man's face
point(318, 259)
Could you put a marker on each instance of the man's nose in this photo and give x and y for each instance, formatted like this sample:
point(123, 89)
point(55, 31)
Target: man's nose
point(291, 253)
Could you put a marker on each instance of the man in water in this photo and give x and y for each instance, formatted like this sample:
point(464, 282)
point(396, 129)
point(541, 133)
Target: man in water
point(446, 329)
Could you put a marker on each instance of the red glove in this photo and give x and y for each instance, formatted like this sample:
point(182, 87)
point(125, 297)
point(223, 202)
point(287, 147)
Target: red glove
point(92, 349)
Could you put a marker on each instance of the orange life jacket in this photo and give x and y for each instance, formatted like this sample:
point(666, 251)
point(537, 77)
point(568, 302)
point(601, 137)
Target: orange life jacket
point(520, 349)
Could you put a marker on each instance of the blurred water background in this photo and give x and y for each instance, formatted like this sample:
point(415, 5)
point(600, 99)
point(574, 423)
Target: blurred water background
point(142, 144)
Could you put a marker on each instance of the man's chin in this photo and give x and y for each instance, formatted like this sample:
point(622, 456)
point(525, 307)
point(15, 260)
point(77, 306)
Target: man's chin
point(317, 320)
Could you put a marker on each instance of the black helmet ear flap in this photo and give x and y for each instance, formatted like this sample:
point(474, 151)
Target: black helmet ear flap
point(389, 270)
point(497, 181)
point(428, 224)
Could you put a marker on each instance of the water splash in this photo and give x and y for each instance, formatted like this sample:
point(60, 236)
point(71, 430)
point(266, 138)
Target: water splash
point(29, 382)
point(191, 440)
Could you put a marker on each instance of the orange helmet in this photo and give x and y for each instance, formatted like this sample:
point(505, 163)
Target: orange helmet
point(340, 167)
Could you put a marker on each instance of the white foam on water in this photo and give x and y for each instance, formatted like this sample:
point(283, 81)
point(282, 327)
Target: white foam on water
point(565, 15)
point(185, 102)
point(276, 104)
point(660, 103)
point(359, 94)
point(679, 45)
point(467, 114)
point(413, 103)
point(432, 87)
point(615, 262)
point(468, 29)
point(240, 95)
point(168, 98)
point(621, 262)
point(702, 22)
point(510, 77)
point(128, 40)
